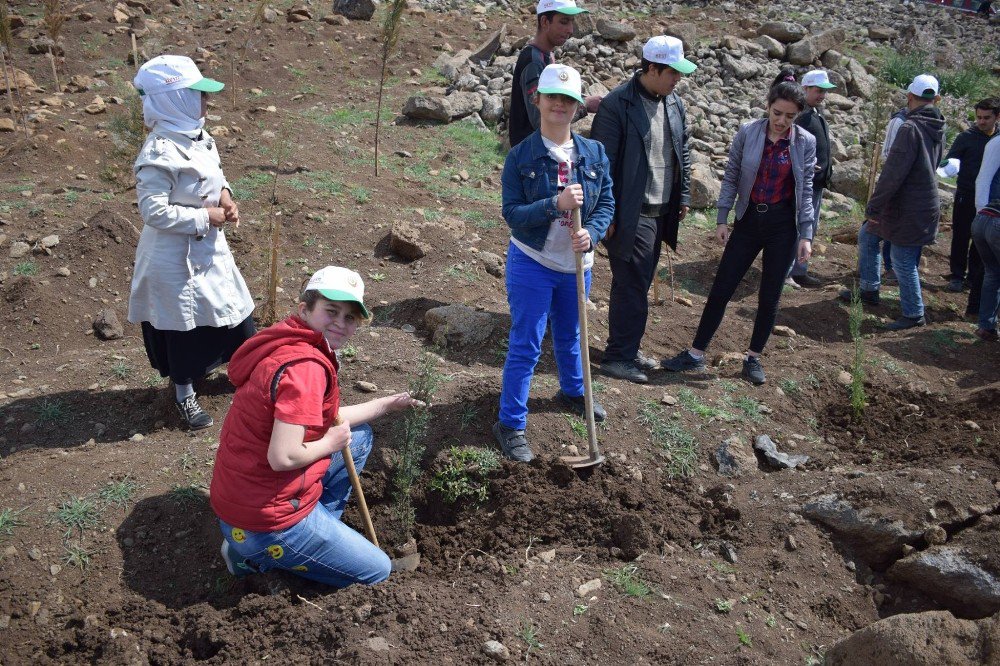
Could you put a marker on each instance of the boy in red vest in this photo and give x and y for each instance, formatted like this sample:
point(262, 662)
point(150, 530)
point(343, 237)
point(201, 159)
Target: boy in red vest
point(280, 484)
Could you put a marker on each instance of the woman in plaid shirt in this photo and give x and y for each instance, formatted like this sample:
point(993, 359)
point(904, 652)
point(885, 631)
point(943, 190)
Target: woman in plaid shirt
point(769, 180)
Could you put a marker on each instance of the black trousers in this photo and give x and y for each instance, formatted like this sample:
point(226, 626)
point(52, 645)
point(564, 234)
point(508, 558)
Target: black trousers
point(773, 232)
point(963, 213)
point(631, 276)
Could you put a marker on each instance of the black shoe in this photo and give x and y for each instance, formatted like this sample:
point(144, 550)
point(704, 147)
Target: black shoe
point(987, 335)
point(645, 363)
point(683, 362)
point(753, 371)
point(194, 416)
point(866, 297)
point(513, 443)
point(956, 285)
point(579, 406)
point(904, 323)
point(807, 280)
point(624, 370)
point(889, 277)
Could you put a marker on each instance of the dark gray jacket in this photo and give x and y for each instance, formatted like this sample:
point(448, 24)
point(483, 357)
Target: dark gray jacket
point(621, 124)
point(905, 208)
point(813, 121)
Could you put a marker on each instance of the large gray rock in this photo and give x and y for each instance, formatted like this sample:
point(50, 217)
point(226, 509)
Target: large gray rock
point(851, 178)
point(804, 52)
point(458, 325)
point(461, 104)
point(413, 239)
point(443, 109)
point(859, 82)
point(686, 32)
point(767, 448)
point(453, 66)
point(949, 576)
point(881, 33)
point(488, 48)
point(774, 48)
point(358, 10)
point(492, 109)
point(614, 31)
point(932, 638)
point(733, 459)
point(741, 69)
point(107, 326)
point(705, 187)
point(784, 31)
point(875, 539)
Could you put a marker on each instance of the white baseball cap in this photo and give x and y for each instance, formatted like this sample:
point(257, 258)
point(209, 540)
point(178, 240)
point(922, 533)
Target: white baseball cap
point(172, 72)
point(950, 168)
point(667, 50)
point(561, 80)
point(817, 78)
point(924, 85)
point(336, 283)
point(567, 7)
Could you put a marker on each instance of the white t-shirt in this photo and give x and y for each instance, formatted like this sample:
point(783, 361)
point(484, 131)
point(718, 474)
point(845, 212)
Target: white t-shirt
point(558, 254)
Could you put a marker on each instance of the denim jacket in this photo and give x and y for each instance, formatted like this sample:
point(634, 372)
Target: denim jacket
point(530, 189)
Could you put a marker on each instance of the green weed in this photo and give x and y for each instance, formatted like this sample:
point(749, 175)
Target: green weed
point(626, 578)
point(690, 401)
point(743, 637)
point(855, 317)
point(121, 369)
point(26, 268)
point(672, 438)
point(192, 493)
point(577, 425)
point(790, 387)
point(723, 605)
point(9, 519)
point(349, 351)
point(750, 407)
point(580, 609)
point(529, 634)
point(464, 476)
point(78, 513)
point(459, 271)
point(361, 195)
point(468, 415)
point(76, 555)
point(771, 622)
point(119, 493)
point(50, 411)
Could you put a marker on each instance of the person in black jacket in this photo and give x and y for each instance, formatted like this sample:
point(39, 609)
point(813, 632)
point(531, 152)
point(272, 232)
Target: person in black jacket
point(968, 149)
point(642, 126)
point(815, 83)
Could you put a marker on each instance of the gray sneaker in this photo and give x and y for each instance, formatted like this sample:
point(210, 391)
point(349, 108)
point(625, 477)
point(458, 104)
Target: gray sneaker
point(753, 371)
point(513, 443)
point(626, 370)
point(683, 361)
point(645, 363)
point(194, 416)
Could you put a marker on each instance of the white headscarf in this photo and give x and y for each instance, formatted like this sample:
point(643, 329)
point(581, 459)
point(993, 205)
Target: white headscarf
point(174, 110)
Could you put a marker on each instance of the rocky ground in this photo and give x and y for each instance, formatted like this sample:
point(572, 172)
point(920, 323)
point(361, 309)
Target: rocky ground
point(865, 540)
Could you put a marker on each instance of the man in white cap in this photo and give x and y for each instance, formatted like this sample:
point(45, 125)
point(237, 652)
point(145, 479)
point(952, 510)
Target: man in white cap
point(905, 209)
point(816, 84)
point(643, 128)
point(554, 20)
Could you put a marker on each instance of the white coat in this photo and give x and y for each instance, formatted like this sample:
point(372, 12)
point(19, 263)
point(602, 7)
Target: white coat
point(185, 275)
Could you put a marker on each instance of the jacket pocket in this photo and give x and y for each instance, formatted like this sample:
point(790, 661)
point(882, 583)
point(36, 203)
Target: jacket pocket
point(531, 177)
point(590, 177)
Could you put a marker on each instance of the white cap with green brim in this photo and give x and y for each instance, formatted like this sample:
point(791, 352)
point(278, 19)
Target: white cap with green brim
point(561, 80)
point(336, 283)
point(817, 78)
point(667, 50)
point(924, 85)
point(172, 72)
point(567, 7)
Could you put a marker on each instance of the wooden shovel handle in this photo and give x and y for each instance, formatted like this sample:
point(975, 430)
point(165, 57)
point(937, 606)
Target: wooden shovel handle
point(352, 474)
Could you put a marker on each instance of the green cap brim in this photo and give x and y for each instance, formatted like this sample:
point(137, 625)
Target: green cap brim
point(684, 66)
point(572, 11)
point(557, 91)
point(207, 85)
point(337, 295)
point(825, 86)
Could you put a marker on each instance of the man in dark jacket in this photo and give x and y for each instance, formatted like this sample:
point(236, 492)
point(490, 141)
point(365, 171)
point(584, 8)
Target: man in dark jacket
point(904, 209)
point(968, 149)
point(642, 126)
point(554, 25)
point(816, 84)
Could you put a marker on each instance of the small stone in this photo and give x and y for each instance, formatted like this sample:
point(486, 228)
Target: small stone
point(971, 425)
point(668, 399)
point(547, 556)
point(18, 249)
point(844, 378)
point(589, 588)
point(544, 597)
point(784, 331)
point(378, 644)
point(55, 569)
point(791, 543)
point(496, 651)
point(362, 613)
point(9, 551)
point(34, 553)
point(107, 326)
point(683, 300)
point(96, 107)
point(138, 437)
point(34, 607)
point(407, 328)
point(935, 535)
point(63, 271)
point(365, 387)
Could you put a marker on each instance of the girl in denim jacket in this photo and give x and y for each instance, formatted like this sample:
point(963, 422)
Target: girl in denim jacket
point(545, 178)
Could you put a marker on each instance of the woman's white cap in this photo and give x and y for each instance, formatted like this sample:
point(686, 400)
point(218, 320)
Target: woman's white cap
point(561, 80)
point(172, 72)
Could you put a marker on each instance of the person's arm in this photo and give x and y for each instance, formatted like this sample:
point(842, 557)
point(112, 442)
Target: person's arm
point(153, 187)
point(895, 170)
point(987, 171)
point(288, 449)
point(806, 204)
point(685, 198)
point(529, 84)
point(890, 136)
point(957, 148)
point(366, 412)
point(731, 179)
point(518, 211)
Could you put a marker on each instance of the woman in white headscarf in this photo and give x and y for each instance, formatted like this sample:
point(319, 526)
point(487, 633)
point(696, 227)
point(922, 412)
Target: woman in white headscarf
point(187, 292)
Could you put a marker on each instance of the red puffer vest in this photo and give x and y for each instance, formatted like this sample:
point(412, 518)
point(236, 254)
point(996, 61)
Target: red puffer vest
point(245, 491)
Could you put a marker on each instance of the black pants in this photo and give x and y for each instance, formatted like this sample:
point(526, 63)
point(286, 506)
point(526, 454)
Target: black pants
point(975, 280)
point(961, 234)
point(628, 307)
point(775, 233)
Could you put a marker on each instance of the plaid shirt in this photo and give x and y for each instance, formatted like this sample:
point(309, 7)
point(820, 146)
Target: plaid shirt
point(774, 182)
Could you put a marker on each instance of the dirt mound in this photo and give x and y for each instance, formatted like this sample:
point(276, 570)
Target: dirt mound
point(107, 229)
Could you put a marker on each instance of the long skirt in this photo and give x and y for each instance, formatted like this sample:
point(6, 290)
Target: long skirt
point(186, 356)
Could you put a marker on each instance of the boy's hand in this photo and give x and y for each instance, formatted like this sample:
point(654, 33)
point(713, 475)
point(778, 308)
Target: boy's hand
point(400, 401)
point(340, 435)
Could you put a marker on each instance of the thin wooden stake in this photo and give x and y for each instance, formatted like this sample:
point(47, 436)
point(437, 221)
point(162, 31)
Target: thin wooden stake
point(52, 61)
point(656, 285)
point(670, 267)
point(135, 52)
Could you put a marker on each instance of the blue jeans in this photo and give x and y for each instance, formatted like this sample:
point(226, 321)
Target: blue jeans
point(986, 236)
point(538, 295)
point(800, 268)
point(318, 547)
point(905, 260)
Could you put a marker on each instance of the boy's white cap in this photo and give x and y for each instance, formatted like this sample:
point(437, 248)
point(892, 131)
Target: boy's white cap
point(172, 72)
point(567, 7)
point(561, 80)
point(667, 50)
point(950, 168)
point(817, 78)
point(336, 283)
point(924, 85)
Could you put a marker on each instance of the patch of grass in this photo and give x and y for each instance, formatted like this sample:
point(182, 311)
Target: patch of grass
point(119, 493)
point(349, 351)
point(580, 609)
point(26, 268)
point(790, 387)
point(577, 425)
point(382, 315)
point(723, 568)
point(191, 493)
point(361, 195)
point(743, 637)
point(669, 435)
point(9, 519)
point(340, 118)
point(464, 476)
point(460, 271)
point(121, 369)
point(942, 340)
point(771, 622)
point(250, 186)
point(50, 411)
point(723, 605)
point(76, 555)
point(529, 634)
point(626, 578)
point(750, 407)
point(153, 379)
point(376, 277)
point(78, 513)
point(468, 415)
point(690, 401)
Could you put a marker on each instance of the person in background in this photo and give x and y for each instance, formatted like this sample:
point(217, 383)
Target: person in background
point(187, 293)
point(986, 236)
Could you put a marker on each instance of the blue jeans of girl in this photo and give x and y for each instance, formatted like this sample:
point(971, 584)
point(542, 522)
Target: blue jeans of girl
point(319, 547)
point(538, 296)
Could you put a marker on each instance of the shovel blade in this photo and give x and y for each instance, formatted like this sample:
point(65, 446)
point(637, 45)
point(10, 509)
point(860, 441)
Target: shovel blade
point(579, 462)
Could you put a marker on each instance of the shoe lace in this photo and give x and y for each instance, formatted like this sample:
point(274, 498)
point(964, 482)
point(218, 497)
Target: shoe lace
point(191, 407)
point(753, 363)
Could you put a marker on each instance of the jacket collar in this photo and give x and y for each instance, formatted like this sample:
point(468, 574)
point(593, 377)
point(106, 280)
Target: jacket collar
point(185, 145)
